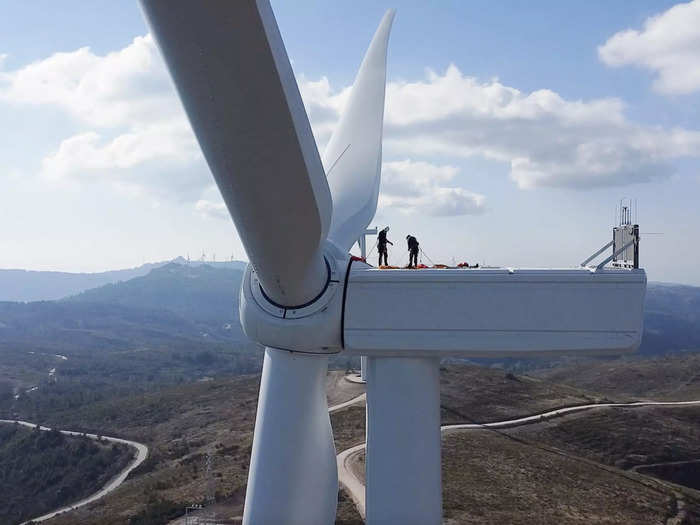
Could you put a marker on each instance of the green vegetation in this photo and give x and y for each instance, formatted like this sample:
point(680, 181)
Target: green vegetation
point(154, 359)
point(202, 294)
point(43, 470)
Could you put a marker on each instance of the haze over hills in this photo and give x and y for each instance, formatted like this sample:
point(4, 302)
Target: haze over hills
point(170, 302)
point(180, 299)
point(30, 285)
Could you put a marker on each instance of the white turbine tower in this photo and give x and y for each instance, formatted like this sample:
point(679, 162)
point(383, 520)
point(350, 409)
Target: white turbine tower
point(304, 298)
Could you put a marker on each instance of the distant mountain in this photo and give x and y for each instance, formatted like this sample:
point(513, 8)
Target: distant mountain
point(173, 305)
point(30, 285)
point(199, 293)
point(671, 319)
point(178, 304)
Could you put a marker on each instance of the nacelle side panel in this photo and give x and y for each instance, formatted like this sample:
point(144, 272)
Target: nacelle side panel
point(499, 312)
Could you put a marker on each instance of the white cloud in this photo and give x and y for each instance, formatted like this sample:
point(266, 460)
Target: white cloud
point(87, 153)
point(668, 45)
point(212, 209)
point(132, 132)
point(419, 187)
point(323, 106)
point(118, 89)
point(546, 140)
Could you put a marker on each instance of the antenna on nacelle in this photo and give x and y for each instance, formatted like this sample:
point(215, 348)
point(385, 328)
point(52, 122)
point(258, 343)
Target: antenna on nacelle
point(626, 237)
point(625, 241)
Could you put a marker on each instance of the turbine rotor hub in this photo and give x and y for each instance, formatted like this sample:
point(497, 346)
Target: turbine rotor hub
point(314, 327)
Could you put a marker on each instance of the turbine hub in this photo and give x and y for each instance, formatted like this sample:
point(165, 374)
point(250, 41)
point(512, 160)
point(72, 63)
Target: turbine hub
point(314, 327)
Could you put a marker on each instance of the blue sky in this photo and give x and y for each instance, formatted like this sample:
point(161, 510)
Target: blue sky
point(536, 119)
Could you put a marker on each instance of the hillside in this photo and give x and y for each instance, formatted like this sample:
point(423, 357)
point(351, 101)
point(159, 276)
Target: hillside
point(206, 294)
point(178, 323)
point(30, 285)
point(598, 466)
point(202, 293)
point(674, 377)
point(40, 471)
point(671, 318)
point(490, 476)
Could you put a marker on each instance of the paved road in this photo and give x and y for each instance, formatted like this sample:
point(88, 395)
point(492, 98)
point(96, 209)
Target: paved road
point(356, 488)
point(355, 400)
point(139, 457)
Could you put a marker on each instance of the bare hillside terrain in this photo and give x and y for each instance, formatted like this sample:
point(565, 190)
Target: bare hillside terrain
point(674, 377)
point(489, 478)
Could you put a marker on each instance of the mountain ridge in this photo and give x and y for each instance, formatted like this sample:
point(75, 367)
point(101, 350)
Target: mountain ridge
point(19, 285)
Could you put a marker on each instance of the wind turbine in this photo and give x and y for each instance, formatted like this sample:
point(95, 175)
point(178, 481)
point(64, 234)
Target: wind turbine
point(304, 297)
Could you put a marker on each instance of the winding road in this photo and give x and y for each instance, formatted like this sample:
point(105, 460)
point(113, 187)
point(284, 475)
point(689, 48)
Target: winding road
point(139, 457)
point(347, 478)
point(356, 488)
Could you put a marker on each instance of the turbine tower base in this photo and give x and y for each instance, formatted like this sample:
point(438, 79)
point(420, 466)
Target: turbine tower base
point(403, 441)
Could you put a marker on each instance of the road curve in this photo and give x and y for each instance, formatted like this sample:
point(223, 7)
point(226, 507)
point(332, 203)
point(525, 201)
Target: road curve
point(353, 401)
point(356, 488)
point(140, 457)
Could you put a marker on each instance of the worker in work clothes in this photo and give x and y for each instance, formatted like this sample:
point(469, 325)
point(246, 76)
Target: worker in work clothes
point(381, 246)
point(412, 251)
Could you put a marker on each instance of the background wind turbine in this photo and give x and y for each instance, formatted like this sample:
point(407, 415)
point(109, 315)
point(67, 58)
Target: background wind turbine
point(302, 296)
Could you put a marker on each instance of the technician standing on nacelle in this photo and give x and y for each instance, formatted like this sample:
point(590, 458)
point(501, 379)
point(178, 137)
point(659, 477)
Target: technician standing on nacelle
point(412, 251)
point(381, 246)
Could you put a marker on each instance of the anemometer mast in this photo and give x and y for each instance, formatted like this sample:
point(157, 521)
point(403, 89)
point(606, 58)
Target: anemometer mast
point(304, 297)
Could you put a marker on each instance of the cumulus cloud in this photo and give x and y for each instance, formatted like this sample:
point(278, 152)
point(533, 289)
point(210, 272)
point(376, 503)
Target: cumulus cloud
point(131, 130)
point(546, 139)
point(421, 187)
point(88, 152)
point(323, 105)
point(134, 133)
point(668, 45)
point(122, 88)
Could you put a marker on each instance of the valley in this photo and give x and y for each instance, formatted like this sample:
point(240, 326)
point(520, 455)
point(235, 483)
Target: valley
point(161, 360)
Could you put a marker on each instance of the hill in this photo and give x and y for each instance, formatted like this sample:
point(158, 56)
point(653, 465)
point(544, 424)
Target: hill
point(674, 377)
point(671, 319)
point(40, 471)
point(176, 324)
point(30, 285)
point(202, 293)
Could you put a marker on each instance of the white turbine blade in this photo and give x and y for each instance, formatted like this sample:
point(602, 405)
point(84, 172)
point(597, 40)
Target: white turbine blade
point(230, 67)
point(293, 476)
point(353, 157)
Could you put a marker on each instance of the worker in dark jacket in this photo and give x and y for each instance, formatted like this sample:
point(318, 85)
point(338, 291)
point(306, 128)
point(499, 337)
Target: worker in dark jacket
point(381, 246)
point(413, 248)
